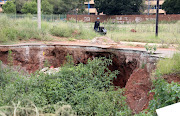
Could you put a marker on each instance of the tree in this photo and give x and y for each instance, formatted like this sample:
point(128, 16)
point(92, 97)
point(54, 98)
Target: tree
point(119, 7)
point(29, 7)
point(171, 6)
point(9, 7)
point(67, 6)
point(19, 5)
point(47, 8)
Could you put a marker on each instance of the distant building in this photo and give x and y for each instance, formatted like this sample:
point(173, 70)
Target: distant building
point(92, 10)
point(151, 7)
point(1, 3)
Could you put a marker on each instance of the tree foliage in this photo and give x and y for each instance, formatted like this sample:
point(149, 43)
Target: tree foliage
point(67, 6)
point(119, 7)
point(9, 7)
point(54, 6)
point(29, 7)
point(46, 7)
point(19, 5)
point(171, 6)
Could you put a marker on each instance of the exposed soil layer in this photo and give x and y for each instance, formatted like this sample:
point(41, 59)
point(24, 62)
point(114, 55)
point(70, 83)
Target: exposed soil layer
point(172, 77)
point(137, 89)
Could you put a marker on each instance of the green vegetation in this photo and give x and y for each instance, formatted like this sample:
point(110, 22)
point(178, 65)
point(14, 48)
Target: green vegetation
point(87, 88)
point(26, 29)
point(168, 33)
point(29, 7)
point(168, 66)
point(9, 7)
point(120, 7)
point(171, 6)
point(48, 6)
point(151, 49)
point(164, 94)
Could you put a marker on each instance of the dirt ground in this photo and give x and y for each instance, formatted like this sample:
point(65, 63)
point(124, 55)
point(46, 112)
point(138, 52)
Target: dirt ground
point(97, 41)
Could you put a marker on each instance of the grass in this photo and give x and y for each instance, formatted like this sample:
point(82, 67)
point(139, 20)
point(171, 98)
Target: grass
point(168, 33)
point(24, 29)
point(168, 66)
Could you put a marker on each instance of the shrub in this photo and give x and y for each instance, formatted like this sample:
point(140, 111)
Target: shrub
point(63, 30)
point(9, 7)
point(164, 94)
point(87, 88)
point(69, 30)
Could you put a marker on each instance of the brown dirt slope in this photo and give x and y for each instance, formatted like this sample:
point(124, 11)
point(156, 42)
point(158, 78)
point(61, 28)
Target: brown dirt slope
point(137, 89)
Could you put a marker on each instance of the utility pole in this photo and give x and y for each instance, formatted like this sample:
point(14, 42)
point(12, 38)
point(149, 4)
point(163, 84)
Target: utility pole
point(39, 13)
point(88, 7)
point(148, 6)
point(157, 17)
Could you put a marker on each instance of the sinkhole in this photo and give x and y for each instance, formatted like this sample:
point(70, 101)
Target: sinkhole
point(33, 57)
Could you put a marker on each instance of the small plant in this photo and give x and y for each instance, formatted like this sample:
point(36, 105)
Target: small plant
point(69, 61)
point(46, 63)
point(10, 58)
point(71, 39)
point(143, 65)
point(151, 49)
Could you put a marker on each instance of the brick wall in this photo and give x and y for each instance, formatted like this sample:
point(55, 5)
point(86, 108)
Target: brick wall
point(123, 18)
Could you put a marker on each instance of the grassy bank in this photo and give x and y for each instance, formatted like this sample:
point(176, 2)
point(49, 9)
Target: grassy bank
point(12, 30)
point(24, 29)
point(165, 93)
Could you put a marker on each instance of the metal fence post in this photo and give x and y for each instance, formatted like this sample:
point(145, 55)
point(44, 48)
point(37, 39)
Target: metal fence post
point(157, 16)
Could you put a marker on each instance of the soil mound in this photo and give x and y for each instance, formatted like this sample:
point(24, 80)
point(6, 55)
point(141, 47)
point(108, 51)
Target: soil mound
point(103, 40)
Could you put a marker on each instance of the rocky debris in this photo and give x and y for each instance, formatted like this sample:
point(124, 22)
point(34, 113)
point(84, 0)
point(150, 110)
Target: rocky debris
point(175, 77)
point(137, 90)
point(50, 70)
point(133, 30)
point(103, 40)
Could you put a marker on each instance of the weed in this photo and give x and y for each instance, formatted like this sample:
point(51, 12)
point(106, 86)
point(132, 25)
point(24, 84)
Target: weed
point(143, 65)
point(10, 58)
point(167, 66)
point(46, 63)
point(151, 49)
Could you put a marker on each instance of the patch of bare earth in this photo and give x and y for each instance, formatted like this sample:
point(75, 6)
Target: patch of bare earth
point(137, 90)
point(172, 77)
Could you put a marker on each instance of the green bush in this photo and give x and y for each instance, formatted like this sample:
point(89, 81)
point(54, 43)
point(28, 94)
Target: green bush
point(9, 7)
point(70, 30)
point(62, 31)
point(164, 94)
point(87, 88)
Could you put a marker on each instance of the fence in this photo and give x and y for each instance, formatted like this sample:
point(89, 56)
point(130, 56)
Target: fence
point(123, 18)
point(51, 18)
